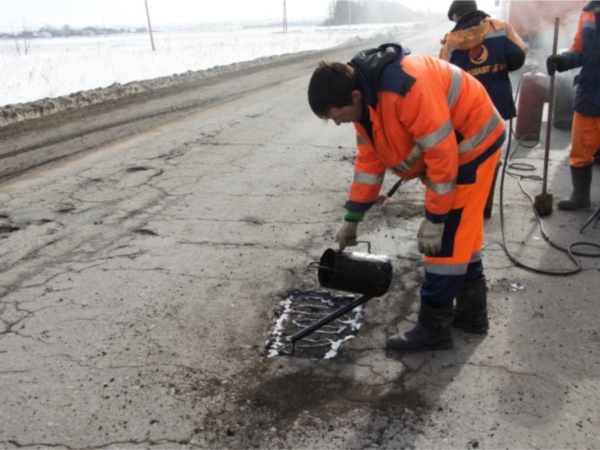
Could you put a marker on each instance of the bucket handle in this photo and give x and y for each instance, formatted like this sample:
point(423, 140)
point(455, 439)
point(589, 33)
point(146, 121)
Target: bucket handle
point(365, 242)
point(312, 265)
point(352, 242)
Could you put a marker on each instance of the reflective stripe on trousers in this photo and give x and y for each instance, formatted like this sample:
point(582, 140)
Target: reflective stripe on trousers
point(444, 276)
point(462, 243)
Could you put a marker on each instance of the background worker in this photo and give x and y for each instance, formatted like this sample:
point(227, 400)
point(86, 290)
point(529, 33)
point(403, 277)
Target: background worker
point(487, 49)
point(422, 118)
point(585, 132)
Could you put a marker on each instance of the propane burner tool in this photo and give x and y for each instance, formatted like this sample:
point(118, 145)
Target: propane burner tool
point(366, 274)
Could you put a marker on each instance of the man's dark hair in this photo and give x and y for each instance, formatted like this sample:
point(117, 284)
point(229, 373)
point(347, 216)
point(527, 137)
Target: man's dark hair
point(331, 86)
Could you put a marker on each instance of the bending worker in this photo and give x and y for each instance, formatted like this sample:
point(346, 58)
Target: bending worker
point(585, 133)
point(488, 49)
point(422, 118)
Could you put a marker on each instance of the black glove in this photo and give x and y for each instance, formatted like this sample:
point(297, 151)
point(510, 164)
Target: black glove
point(555, 63)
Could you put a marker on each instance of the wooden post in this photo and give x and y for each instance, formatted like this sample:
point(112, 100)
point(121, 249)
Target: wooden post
point(149, 25)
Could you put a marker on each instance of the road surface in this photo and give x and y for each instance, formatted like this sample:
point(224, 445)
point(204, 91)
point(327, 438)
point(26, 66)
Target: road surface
point(146, 243)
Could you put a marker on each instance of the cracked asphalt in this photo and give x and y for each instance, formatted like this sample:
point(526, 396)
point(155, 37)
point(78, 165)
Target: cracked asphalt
point(138, 283)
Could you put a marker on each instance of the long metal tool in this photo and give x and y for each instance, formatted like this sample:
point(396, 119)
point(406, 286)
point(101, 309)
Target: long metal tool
point(395, 187)
point(595, 215)
point(320, 323)
point(543, 202)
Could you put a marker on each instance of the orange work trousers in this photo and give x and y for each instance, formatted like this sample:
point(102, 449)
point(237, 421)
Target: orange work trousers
point(585, 140)
point(462, 241)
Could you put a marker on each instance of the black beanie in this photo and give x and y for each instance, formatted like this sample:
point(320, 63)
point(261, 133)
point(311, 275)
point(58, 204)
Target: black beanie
point(461, 8)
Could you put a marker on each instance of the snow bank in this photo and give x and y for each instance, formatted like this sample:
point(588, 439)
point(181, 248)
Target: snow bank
point(61, 73)
point(23, 111)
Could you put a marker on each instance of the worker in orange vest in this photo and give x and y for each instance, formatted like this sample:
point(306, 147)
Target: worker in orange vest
point(488, 49)
point(421, 117)
point(585, 131)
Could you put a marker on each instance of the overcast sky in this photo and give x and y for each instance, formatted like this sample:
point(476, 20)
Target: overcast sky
point(81, 13)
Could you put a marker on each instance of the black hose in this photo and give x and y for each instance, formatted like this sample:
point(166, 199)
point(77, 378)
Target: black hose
point(571, 253)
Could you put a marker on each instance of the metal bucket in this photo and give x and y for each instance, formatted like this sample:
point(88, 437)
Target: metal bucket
point(356, 272)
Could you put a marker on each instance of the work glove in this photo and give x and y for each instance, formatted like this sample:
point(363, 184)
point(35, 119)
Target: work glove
point(430, 237)
point(346, 235)
point(555, 63)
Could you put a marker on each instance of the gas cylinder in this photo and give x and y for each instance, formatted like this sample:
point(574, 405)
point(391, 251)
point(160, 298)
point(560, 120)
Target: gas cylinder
point(531, 105)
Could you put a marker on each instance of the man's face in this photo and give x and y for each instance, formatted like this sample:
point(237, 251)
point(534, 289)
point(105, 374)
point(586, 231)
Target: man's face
point(350, 113)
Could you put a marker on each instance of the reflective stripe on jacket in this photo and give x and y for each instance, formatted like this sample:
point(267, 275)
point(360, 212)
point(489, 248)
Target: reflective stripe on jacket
point(428, 118)
point(486, 51)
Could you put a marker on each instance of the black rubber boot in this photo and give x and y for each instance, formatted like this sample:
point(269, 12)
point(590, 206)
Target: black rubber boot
point(489, 204)
point(581, 178)
point(597, 157)
point(432, 332)
point(471, 307)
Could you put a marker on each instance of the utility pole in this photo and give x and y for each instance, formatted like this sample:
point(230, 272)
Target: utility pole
point(284, 17)
point(149, 25)
point(349, 13)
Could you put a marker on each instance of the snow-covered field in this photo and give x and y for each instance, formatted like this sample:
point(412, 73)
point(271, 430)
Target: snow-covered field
point(56, 67)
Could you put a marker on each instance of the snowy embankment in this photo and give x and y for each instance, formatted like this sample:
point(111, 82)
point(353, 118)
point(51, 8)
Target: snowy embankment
point(60, 73)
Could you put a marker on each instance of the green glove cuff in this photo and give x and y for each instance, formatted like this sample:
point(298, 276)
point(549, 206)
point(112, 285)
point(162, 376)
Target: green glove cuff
point(353, 216)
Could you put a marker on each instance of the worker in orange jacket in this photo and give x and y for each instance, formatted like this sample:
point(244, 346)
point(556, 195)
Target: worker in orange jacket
point(422, 118)
point(585, 133)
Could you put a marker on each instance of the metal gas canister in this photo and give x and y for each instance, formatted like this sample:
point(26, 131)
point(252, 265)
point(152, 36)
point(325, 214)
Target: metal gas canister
point(532, 93)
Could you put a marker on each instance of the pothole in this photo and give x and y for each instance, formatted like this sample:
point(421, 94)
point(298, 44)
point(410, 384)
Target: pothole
point(8, 229)
point(301, 309)
point(66, 209)
point(137, 169)
point(144, 232)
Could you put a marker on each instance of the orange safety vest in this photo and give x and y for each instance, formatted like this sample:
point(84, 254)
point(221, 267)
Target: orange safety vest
point(415, 134)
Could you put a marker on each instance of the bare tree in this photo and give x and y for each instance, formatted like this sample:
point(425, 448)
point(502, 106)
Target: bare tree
point(22, 40)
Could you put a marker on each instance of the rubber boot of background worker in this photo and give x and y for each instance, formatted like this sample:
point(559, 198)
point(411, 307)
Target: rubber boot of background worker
point(470, 313)
point(581, 178)
point(597, 157)
point(489, 204)
point(432, 332)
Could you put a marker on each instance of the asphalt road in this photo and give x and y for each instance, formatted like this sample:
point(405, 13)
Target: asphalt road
point(141, 269)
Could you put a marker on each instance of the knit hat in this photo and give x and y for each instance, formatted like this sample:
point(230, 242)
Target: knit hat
point(461, 8)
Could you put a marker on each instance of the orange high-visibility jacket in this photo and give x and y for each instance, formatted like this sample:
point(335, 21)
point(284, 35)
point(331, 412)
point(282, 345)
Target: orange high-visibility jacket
point(426, 118)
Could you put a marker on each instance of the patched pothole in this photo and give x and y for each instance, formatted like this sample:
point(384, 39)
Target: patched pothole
point(301, 309)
